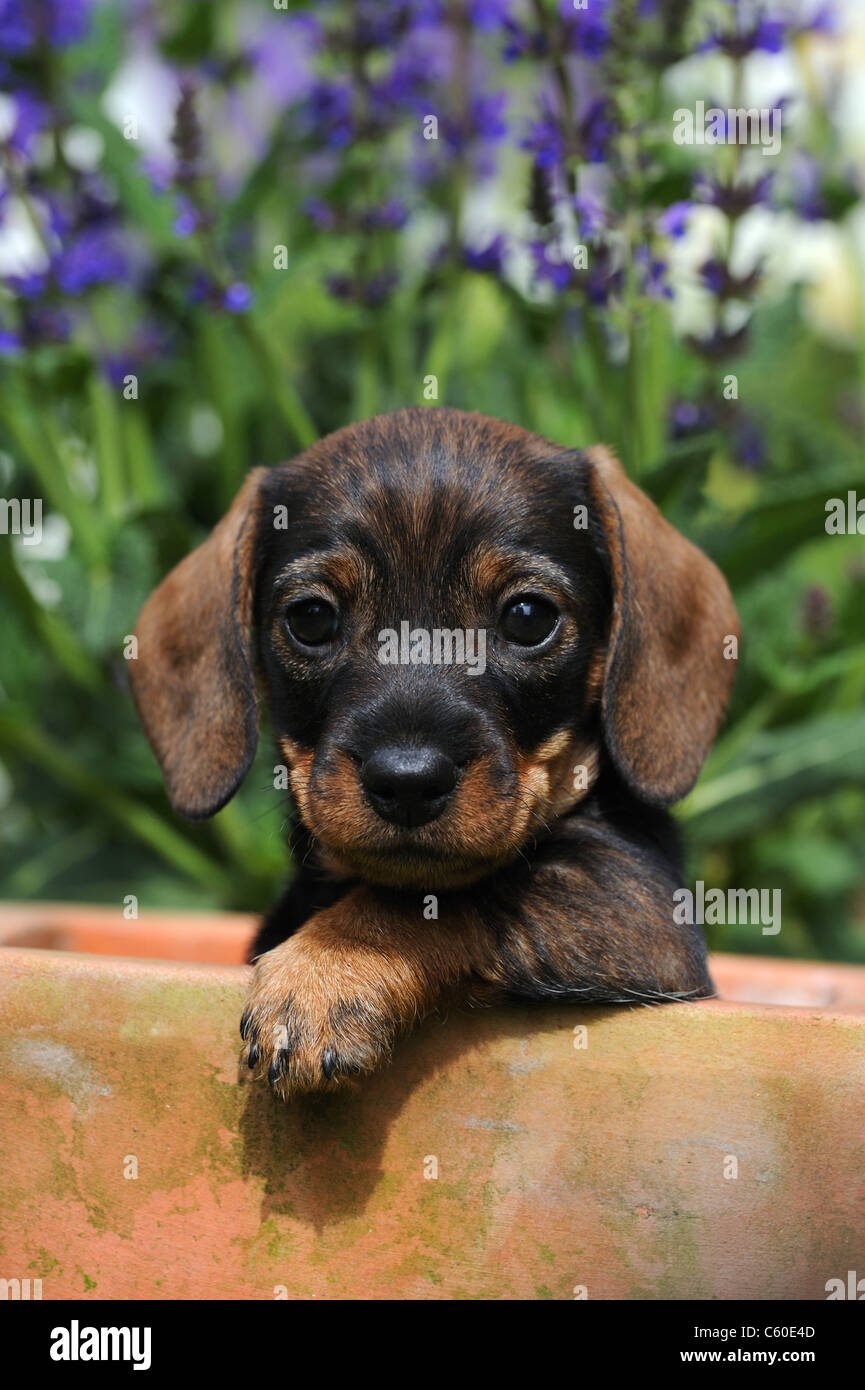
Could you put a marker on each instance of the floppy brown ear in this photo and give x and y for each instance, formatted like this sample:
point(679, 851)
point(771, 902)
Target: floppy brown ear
point(193, 680)
point(670, 664)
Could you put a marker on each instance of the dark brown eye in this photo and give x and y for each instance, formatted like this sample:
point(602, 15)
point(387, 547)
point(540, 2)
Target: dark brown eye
point(528, 621)
point(313, 622)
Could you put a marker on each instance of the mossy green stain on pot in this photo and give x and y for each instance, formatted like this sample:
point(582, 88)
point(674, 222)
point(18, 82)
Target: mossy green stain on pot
point(557, 1167)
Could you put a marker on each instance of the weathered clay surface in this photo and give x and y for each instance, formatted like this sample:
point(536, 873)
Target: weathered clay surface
point(602, 1166)
point(220, 938)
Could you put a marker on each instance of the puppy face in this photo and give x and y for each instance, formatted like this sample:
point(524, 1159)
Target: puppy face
point(456, 624)
point(431, 629)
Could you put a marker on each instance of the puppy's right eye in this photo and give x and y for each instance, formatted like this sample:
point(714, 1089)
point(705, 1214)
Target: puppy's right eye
point(312, 622)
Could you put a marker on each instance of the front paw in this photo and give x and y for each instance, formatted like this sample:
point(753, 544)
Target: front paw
point(308, 1026)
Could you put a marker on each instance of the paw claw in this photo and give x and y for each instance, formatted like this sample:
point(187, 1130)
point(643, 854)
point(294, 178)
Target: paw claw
point(304, 1038)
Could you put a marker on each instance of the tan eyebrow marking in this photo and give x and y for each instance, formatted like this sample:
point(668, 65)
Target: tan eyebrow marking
point(497, 568)
point(344, 569)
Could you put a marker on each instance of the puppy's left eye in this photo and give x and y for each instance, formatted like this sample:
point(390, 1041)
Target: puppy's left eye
point(528, 621)
point(312, 622)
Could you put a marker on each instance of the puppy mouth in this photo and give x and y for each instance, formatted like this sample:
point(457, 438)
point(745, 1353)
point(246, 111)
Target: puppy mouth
point(408, 864)
point(392, 850)
point(409, 815)
point(416, 819)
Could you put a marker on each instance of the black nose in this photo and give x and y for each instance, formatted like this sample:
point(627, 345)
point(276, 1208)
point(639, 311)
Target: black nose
point(408, 786)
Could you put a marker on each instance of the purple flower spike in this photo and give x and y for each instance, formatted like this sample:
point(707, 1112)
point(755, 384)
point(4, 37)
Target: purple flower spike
point(749, 446)
point(734, 199)
point(488, 259)
point(320, 212)
point(237, 298)
point(392, 215)
point(186, 221)
point(30, 286)
point(586, 31)
point(487, 116)
point(597, 130)
point(31, 117)
point(674, 221)
point(16, 27)
point(488, 14)
point(590, 215)
point(544, 140)
point(522, 42)
point(23, 23)
point(96, 256)
point(556, 273)
point(714, 276)
point(769, 35)
point(687, 418)
point(654, 270)
point(329, 111)
point(824, 20)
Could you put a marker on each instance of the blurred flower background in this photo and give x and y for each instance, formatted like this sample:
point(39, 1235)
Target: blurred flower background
point(226, 229)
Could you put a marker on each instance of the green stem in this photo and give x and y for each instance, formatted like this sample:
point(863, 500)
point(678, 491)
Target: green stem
point(33, 433)
point(20, 737)
point(108, 446)
point(281, 390)
point(49, 628)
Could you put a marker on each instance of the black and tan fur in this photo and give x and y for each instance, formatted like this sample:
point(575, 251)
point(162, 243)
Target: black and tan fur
point(546, 888)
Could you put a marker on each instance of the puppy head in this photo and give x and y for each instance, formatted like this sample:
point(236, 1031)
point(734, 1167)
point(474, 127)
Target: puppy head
point(457, 624)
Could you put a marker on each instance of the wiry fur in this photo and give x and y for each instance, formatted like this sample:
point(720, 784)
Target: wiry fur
point(547, 886)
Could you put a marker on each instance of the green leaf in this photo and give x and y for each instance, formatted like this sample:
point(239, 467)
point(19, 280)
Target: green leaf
point(108, 446)
point(777, 769)
point(18, 735)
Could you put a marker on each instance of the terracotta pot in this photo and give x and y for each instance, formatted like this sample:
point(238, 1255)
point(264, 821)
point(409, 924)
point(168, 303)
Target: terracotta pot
point(693, 1151)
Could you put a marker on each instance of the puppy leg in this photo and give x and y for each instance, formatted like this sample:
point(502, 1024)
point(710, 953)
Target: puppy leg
point(327, 1004)
point(590, 922)
point(598, 933)
point(307, 894)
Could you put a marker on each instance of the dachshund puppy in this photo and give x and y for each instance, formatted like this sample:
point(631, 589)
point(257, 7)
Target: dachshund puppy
point(491, 664)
